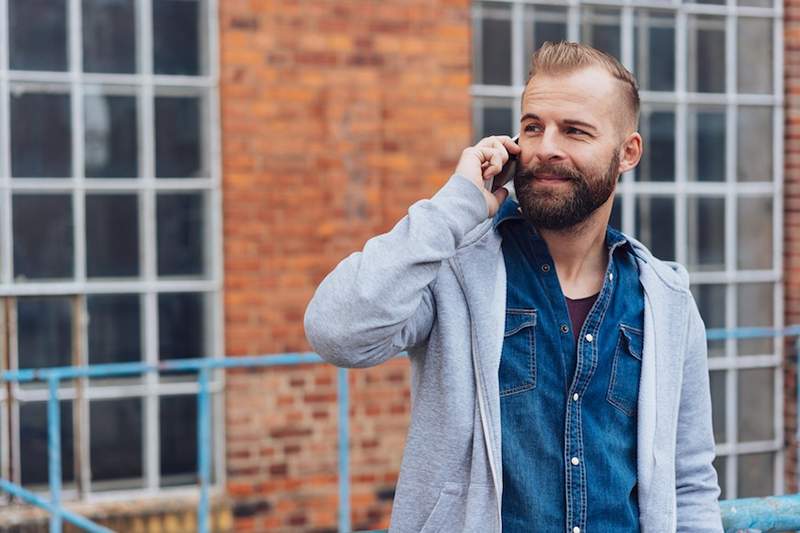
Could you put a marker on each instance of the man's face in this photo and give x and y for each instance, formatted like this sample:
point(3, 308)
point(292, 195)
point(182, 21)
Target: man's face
point(570, 134)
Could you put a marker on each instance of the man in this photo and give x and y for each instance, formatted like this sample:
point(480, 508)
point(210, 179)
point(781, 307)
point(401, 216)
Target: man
point(559, 371)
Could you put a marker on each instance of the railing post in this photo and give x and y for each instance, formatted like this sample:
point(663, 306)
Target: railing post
point(54, 452)
point(203, 440)
point(343, 391)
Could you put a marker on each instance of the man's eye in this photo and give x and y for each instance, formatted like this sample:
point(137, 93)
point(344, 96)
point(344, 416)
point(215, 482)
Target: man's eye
point(532, 127)
point(576, 131)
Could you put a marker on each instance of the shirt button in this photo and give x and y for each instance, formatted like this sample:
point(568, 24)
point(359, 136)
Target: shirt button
point(610, 278)
point(545, 268)
point(575, 397)
point(576, 529)
point(589, 337)
point(575, 461)
point(564, 328)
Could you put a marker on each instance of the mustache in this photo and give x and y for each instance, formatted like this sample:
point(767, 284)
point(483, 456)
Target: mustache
point(554, 170)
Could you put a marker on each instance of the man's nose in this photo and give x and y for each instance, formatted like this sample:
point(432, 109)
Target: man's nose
point(549, 149)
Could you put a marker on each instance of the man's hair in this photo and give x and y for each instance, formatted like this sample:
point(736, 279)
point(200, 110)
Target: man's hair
point(566, 57)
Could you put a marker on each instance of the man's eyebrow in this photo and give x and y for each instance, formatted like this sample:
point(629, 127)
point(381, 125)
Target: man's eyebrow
point(569, 121)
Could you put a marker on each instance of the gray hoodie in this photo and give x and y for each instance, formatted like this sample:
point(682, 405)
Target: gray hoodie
point(435, 286)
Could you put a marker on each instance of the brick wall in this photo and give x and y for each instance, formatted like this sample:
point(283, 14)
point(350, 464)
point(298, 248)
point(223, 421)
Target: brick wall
point(336, 116)
point(791, 213)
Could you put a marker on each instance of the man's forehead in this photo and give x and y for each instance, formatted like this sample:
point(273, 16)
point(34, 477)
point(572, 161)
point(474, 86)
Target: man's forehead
point(589, 88)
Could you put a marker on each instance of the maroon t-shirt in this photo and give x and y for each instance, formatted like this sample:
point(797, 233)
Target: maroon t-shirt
point(578, 309)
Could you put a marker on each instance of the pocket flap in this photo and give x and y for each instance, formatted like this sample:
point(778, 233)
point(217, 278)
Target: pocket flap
point(517, 319)
point(634, 339)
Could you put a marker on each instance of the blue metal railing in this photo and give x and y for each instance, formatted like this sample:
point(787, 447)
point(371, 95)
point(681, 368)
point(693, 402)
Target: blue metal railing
point(776, 513)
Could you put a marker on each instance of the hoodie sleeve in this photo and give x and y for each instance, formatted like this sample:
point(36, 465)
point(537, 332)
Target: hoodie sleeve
point(696, 480)
point(379, 301)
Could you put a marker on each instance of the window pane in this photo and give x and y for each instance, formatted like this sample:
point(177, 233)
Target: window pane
point(755, 309)
point(114, 328)
point(43, 245)
point(756, 391)
point(116, 441)
point(754, 226)
point(44, 331)
point(180, 326)
point(615, 220)
point(178, 439)
point(41, 135)
point(492, 41)
point(654, 50)
point(180, 229)
point(719, 465)
point(38, 34)
point(706, 54)
point(755, 476)
point(711, 301)
point(756, 3)
point(493, 116)
point(657, 127)
point(754, 55)
point(178, 137)
point(109, 36)
point(754, 142)
point(33, 437)
point(542, 23)
point(112, 235)
point(176, 37)
point(706, 239)
point(600, 28)
point(655, 225)
point(112, 145)
point(717, 382)
point(706, 144)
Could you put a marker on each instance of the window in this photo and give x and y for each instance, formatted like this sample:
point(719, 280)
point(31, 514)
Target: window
point(707, 191)
point(110, 234)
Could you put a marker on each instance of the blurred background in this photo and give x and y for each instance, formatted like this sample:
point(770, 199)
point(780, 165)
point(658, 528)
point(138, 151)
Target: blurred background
point(177, 176)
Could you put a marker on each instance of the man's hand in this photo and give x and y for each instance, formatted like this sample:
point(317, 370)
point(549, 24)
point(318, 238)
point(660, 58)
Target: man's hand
point(483, 161)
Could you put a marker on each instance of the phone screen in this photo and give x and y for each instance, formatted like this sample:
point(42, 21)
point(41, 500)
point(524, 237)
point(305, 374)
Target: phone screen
point(508, 171)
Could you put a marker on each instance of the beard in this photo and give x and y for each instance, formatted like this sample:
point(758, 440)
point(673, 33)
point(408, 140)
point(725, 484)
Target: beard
point(554, 209)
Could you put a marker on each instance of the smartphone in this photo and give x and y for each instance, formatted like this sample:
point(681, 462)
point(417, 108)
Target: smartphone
point(508, 171)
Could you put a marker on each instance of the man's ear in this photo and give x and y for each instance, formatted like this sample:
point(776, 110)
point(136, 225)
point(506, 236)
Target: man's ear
point(631, 152)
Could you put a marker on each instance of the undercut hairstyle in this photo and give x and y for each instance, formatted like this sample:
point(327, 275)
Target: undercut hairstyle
point(564, 57)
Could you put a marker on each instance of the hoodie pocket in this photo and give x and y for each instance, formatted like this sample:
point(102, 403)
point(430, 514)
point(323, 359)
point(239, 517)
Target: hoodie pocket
point(440, 516)
point(518, 358)
point(623, 389)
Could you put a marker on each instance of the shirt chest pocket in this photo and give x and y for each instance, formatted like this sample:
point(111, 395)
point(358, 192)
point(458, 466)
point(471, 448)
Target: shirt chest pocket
point(518, 358)
point(623, 388)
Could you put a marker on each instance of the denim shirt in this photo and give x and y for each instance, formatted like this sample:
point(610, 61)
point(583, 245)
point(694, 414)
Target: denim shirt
point(568, 412)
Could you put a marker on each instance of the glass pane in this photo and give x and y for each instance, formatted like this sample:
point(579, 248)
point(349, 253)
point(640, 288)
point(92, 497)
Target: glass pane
point(756, 391)
point(719, 465)
point(112, 235)
point(33, 437)
point(112, 145)
point(178, 137)
point(706, 233)
point(754, 142)
point(615, 220)
point(493, 116)
point(176, 37)
point(181, 326)
point(43, 245)
point(44, 331)
point(756, 475)
point(754, 55)
point(116, 441)
point(717, 381)
point(178, 438)
point(756, 3)
point(657, 127)
point(109, 36)
point(711, 303)
point(41, 135)
point(37, 31)
point(600, 28)
point(655, 225)
point(754, 226)
point(706, 143)
point(115, 328)
point(492, 42)
point(654, 50)
point(180, 229)
point(706, 54)
point(755, 309)
point(542, 23)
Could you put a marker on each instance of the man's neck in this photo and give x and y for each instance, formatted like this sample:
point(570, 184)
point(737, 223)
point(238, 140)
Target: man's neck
point(580, 256)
